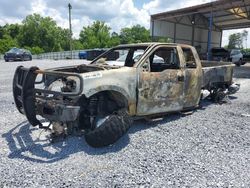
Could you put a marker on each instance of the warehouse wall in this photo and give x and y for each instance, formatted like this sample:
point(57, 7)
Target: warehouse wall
point(184, 33)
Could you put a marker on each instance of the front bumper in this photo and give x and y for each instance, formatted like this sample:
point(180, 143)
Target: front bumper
point(13, 57)
point(57, 112)
point(32, 101)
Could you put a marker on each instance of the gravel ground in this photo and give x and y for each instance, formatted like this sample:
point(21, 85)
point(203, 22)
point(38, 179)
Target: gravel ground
point(209, 148)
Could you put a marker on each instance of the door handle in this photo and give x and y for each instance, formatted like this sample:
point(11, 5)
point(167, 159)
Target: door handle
point(181, 78)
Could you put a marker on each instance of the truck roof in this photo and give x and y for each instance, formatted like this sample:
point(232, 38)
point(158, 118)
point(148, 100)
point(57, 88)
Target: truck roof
point(152, 44)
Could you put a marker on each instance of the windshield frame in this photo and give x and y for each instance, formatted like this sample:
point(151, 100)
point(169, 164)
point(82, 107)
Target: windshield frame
point(130, 48)
point(15, 50)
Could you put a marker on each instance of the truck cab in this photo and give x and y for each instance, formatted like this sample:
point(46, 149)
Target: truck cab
point(173, 84)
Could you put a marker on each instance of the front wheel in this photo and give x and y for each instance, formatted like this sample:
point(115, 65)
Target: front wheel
point(110, 130)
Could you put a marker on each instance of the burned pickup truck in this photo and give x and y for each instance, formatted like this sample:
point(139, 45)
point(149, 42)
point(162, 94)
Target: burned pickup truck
point(127, 82)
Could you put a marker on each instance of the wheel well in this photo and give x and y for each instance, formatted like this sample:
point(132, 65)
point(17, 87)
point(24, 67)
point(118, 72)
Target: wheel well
point(102, 104)
point(117, 97)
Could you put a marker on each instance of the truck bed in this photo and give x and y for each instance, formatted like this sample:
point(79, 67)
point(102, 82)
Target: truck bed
point(215, 73)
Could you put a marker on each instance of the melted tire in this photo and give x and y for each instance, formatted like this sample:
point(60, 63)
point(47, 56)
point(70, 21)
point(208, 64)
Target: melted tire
point(113, 128)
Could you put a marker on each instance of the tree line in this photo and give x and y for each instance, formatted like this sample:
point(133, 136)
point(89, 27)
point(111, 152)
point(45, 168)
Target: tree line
point(42, 34)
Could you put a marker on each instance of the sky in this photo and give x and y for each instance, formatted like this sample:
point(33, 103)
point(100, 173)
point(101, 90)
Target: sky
point(116, 13)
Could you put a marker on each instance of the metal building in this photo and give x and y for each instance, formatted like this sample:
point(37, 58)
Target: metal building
point(201, 25)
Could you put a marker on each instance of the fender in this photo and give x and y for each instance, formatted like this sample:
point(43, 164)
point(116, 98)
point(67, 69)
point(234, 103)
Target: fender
point(131, 103)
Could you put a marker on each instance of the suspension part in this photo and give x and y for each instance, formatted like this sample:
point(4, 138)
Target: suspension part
point(93, 104)
point(101, 103)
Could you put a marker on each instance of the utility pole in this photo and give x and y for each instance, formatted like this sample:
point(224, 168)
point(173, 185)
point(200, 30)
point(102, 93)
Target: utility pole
point(70, 30)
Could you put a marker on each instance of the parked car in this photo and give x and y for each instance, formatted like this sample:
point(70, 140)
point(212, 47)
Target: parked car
point(17, 54)
point(91, 54)
point(236, 57)
point(82, 55)
point(220, 54)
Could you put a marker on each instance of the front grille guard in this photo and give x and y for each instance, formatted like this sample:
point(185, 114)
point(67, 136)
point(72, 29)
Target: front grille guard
point(25, 93)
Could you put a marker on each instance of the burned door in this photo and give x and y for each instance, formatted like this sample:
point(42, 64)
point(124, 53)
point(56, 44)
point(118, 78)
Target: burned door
point(161, 82)
point(193, 78)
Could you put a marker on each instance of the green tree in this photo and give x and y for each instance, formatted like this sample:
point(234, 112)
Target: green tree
point(42, 32)
point(12, 30)
point(77, 45)
point(6, 43)
point(236, 39)
point(2, 32)
point(34, 50)
point(114, 40)
point(134, 34)
point(96, 35)
point(163, 39)
point(63, 39)
point(8, 35)
point(244, 36)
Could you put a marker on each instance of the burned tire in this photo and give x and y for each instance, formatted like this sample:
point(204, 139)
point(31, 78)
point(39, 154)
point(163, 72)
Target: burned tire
point(218, 96)
point(113, 128)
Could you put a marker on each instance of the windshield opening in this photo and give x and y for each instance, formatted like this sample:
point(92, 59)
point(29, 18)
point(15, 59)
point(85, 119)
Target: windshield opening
point(121, 56)
point(14, 50)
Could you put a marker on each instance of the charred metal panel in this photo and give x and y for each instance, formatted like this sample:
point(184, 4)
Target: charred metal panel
point(192, 90)
point(122, 80)
point(193, 82)
point(216, 72)
point(160, 92)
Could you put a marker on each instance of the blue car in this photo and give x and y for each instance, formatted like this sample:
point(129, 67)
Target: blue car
point(82, 55)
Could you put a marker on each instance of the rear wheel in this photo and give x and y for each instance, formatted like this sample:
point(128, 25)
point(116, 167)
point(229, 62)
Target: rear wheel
point(109, 129)
point(218, 95)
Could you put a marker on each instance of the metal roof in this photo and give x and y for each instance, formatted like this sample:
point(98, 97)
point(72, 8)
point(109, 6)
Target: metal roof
point(227, 14)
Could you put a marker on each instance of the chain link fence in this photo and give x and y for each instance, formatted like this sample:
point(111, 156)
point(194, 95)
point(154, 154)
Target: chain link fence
point(54, 55)
point(65, 54)
point(58, 55)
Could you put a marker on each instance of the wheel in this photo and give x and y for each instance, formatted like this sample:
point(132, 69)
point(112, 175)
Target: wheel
point(6, 60)
point(218, 95)
point(111, 128)
point(30, 58)
point(239, 63)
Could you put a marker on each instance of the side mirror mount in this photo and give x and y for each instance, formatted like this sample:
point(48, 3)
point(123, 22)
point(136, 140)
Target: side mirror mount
point(145, 66)
point(190, 64)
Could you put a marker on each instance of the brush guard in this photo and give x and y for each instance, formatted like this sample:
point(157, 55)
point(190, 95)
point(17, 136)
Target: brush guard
point(25, 93)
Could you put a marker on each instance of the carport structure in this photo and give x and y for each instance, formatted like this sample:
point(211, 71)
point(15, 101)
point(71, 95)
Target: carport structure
point(201, 25)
